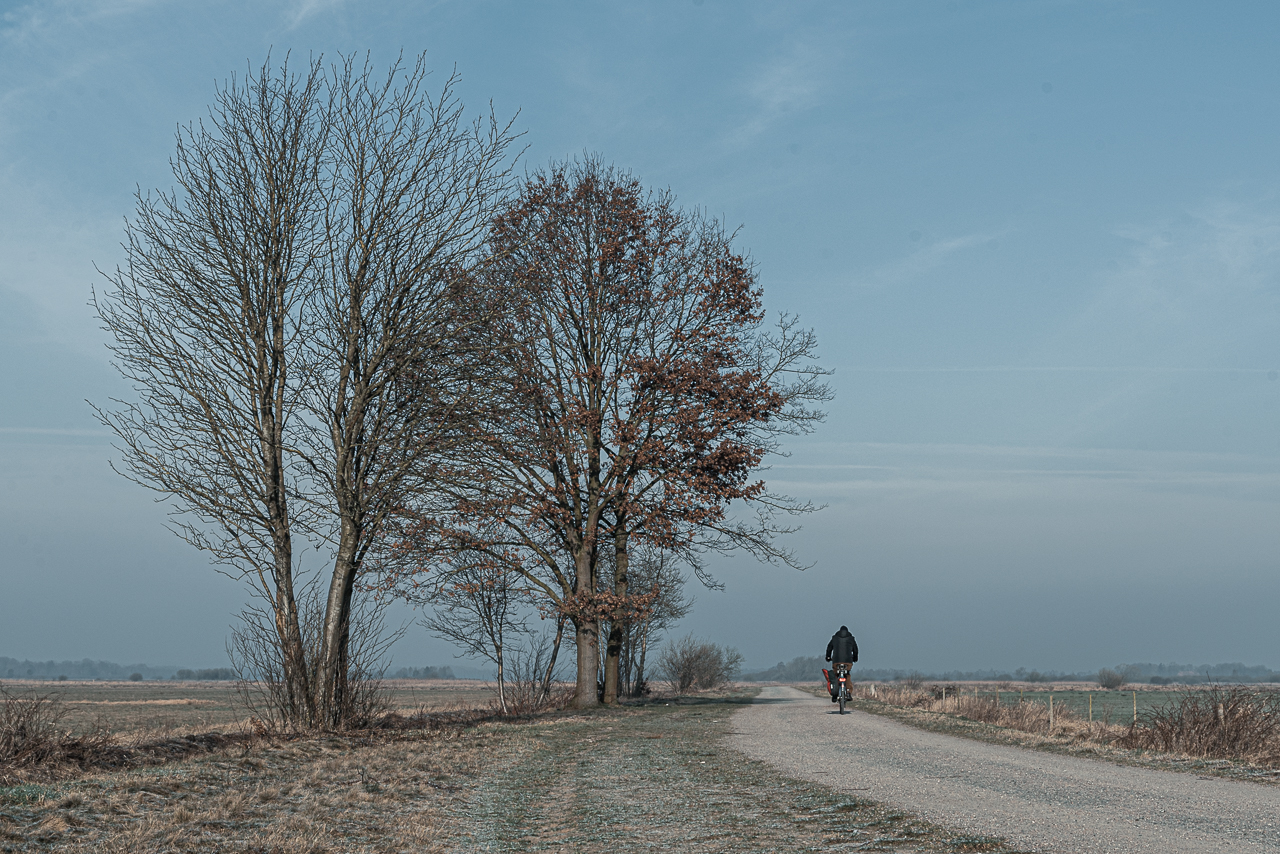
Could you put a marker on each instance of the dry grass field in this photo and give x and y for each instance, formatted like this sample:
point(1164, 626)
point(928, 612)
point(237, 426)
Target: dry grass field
point(128, 708)
point(656, 775)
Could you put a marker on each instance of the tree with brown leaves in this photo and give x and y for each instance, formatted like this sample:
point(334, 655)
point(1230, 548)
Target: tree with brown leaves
point(633, 393)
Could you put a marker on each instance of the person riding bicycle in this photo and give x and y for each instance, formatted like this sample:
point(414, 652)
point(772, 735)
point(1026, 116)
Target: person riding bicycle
point(842, 651)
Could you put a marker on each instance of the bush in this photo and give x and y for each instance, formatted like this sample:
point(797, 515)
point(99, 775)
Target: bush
point(32, 733)
point(135, 677)
point(1220, 723)
point(690, 663)
point(1110, 679)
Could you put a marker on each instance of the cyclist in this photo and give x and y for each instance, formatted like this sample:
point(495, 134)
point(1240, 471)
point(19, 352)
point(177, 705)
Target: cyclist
point(843, 652)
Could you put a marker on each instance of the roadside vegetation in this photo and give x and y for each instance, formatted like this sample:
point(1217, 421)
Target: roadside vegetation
point(1232, 730)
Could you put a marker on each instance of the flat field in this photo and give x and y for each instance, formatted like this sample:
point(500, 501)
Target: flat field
point(129, 708)
point(1115, 707)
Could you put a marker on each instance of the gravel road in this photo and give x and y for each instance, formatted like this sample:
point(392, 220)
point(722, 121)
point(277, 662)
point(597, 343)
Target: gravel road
point(1038, 801)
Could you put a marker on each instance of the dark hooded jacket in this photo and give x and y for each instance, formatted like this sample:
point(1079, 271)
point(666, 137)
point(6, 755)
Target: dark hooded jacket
point(842, 647)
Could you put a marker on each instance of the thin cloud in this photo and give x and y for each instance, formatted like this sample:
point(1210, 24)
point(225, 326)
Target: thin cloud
point(51, 431)
point(302, 10)
point(927, 258)
point(33, 21)
point(783, 86)
point(1198, 290)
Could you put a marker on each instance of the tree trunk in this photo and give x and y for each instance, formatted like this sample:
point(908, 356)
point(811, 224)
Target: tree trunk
point(644, 649)
point(293, 656)
point(586, 626)
point(545, 693)
point(587, 634)
point(331, 678)
point(502, 693)
point(618, 623)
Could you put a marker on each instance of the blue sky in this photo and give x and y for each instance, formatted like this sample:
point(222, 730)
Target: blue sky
point(1039, 242)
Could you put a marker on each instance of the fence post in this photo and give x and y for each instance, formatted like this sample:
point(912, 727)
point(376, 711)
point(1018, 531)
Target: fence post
point(1051, 713)
point(1090, 707)
point(1135, 708)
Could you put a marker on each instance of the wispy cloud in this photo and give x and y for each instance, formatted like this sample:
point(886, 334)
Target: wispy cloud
point(1198, 290)
point(786, 84)
point(928, 257)
point(1051, 369)
point(31, 22)
point(300, 11)
point(51, 431)
point(849, 469)
point(45, 44)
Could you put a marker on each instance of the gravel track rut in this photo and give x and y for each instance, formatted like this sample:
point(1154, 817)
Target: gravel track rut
point(1039, 801)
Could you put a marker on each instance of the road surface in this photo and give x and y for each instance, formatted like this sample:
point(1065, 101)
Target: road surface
point(1038, 801)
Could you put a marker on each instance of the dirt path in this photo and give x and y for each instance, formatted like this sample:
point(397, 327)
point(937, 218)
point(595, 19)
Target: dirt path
point(1039, 801)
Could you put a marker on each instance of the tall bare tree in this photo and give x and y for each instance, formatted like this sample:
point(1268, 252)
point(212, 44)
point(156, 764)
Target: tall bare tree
point(294, 318)
point(209, 318)
point(410, 187)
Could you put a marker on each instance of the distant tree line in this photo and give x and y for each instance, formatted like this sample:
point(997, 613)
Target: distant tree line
point(211, 674)
point(423, 673)
point(807, 668)
point(12, 668)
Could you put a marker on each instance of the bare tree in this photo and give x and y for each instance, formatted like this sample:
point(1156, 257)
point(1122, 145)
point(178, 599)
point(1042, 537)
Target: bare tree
point(410, 188)
point(478, 610)
point(258, 659)
point(209, 319)
point(294, 319)
point(689, 664)
point(652, 570)
point(534, 670)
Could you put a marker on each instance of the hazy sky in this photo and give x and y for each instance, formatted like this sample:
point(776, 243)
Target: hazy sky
point(1039, 242)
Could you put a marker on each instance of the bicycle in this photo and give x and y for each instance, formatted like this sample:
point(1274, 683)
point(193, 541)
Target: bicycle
point(839, 688)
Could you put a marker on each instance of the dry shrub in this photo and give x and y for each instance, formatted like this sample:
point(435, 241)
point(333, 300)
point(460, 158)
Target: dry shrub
point(1026, 716)
point(690, 663)
point(1110, 679)
point(1220, 723)
point(32, 734)
point(258, 657)
point(534, 683)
